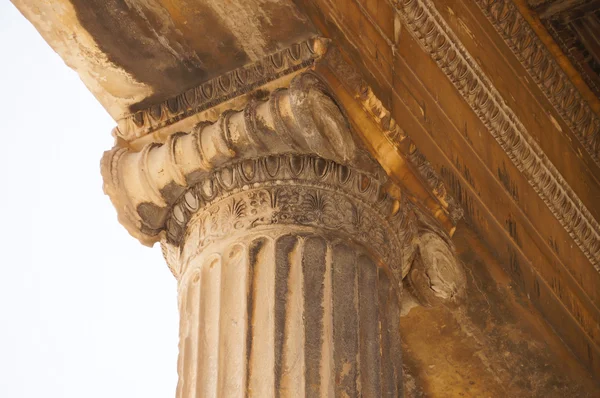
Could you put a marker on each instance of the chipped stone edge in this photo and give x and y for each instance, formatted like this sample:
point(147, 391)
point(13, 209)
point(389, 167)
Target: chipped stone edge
point(394, 134)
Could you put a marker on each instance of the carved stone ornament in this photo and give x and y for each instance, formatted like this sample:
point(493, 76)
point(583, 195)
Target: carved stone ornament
point(435, 277)
point(425, 24)
point(302, 119)
point(219, 89)
point(296, 190)
point(545, 71)
point(289, 244)
point(393, 132)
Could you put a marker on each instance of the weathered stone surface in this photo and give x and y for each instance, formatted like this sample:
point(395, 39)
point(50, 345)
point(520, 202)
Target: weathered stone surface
point(277, 313)
point(450, 79)
point(494, 344)
point(302, 119)
point(277, 213)
point(252, 174)
point(136, 53)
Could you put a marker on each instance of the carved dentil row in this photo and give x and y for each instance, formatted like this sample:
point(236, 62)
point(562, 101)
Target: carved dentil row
point(303, 119)
point(426, 170)
point(436, 38)
point(541, 66)
point(219, 89)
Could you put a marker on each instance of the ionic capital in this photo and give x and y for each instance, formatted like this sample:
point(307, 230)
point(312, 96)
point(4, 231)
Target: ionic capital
point(302, 119)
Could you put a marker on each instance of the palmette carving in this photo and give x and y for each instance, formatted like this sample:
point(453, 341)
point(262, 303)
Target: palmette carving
point(436, 38)
point(290, 270)
point(288, 162)
point(297, 191)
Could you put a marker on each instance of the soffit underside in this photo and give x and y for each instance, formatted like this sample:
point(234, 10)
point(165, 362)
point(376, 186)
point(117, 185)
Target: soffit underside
point(136, 53)
point(575, 26)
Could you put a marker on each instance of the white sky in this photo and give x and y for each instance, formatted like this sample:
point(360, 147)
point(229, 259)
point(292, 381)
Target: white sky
point(85, 310)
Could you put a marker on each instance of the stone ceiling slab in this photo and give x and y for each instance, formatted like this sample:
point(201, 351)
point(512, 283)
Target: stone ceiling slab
point(135, 53)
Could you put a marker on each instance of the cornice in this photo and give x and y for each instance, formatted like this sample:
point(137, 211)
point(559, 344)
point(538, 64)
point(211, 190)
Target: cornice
point(219, 90)
point(544, 70)
point(424, 23)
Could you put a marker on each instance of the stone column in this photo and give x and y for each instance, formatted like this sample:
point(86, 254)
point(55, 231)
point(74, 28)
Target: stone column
point(289, 285)
point(289, 245)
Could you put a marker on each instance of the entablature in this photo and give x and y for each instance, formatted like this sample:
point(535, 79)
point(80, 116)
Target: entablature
point(466, 108)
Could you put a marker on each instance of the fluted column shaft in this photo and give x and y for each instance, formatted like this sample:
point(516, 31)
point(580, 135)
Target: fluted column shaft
point(290, 314)
point(291, 270)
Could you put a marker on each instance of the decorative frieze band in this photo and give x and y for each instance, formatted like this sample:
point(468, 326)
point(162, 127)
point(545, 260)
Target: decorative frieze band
point(544, 70)
point(425, 24)
point(296, 191)
point(219, 90)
